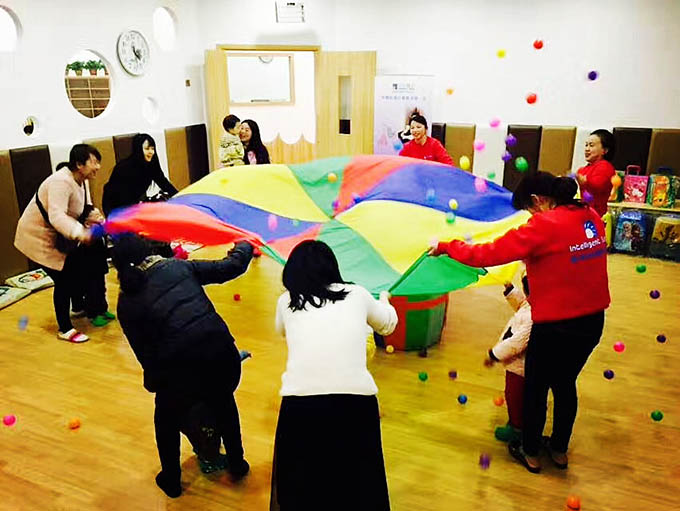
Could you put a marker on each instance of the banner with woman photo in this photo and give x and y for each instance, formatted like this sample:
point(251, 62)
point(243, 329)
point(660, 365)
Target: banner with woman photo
point(397, 97)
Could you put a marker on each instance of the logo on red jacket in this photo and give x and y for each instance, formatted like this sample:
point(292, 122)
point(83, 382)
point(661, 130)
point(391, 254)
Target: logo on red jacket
point(590, 230)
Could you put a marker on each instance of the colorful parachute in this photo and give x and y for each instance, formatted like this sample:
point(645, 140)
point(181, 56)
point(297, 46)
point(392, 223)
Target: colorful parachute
point(378, 214)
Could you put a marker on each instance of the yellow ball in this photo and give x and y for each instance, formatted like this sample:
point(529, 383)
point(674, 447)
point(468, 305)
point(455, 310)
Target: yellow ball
point(464, 162)
point(500, 53)
point(453, 204)
point(389, 348)
point(449, 91)
point(332, 177)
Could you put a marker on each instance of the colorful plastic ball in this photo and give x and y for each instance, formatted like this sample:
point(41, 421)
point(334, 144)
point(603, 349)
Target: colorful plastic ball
point(573, 503)
point(237, 297)
point(453, 374)
point(389, 348)
point(335, 204)
point(74, 423)
point(179, 253)
point(507, 156)
point(657, 415)
point(453, 204)
point(521, 164)
point(332, 177)
point(398, 146)
point(484, 461)
point(23, 323)
point(619, 347)
point(422, 353)
point(272, 222)
point(480, 185)
point(462, 399)
point(655, 294)
point(356, 198)
point(479, 145)
point(616, 181)
point(422, 376)
point(491, 175)
point(9, 420)
point(538, 44)
point(609, 374)
point(532, 98)
point(641, 268)
point(661, 338)
point(501, 54)
point(511, 140)
point(498, 400)
point(295, 222)
point(495, 122)
point(450, 217)
point(592, 75)
point(449, 91)
point(588, 197)
point(430, 195)
point(464, 163)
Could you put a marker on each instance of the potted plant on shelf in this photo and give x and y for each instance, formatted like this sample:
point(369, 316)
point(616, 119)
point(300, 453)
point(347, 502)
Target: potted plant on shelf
point(76, 66)
point(92, 66)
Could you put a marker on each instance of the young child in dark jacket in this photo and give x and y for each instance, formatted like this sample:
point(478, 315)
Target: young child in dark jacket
point(184, 346)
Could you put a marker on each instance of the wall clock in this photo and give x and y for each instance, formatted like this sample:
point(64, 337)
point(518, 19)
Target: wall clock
point(133, 52)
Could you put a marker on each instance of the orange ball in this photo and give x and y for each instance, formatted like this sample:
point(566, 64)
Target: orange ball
point(74, 423)
point(573, 502)
point(498, 400)
point(616, 181)
point(389, 348)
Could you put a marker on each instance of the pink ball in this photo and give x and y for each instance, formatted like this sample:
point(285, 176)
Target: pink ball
point(479, 145)
point(495, 122)
point(9, 420)
point(272, 222)
point(480, 185)
point(619, 347)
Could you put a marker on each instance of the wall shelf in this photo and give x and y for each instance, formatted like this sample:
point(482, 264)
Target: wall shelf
point(90, 95)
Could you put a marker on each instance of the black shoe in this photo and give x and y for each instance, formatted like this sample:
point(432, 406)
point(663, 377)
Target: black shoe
point(517, 452)
point(238, 469)
point(550, 451)
point(170, 485)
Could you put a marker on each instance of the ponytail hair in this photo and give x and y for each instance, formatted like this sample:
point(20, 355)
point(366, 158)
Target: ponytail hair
point(560, 189)
point(79, 154)
point(129, 250)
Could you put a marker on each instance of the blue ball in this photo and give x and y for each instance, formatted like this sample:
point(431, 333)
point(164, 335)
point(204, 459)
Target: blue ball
point(462, 399)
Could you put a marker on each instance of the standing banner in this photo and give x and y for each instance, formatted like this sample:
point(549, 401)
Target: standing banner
point(397, 97)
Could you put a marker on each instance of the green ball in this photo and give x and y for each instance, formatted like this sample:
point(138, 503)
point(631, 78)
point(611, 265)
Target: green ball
point(450, 217)
point(491, 175)
point(423, 377)
point(296, 222)
point(657, 415)
point(521, 164)
point(641, 268)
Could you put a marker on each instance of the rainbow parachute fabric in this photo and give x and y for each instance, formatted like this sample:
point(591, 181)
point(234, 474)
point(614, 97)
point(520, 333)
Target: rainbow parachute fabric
point(378, 214)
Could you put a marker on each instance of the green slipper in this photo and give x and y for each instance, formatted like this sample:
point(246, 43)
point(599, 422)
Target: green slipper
point(109, 315)
point(99, 320)
point(507, 433)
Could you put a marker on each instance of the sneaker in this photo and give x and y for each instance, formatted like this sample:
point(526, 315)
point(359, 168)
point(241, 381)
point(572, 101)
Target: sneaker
point(73, 335)
point(208, 467)
point(99, 320)
point(238, 470)
point(244, 354)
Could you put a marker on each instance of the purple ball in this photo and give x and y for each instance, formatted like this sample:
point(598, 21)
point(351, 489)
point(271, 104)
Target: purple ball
point(484, 461)
point(661, 338)
point(592, 75)
point(511, 140)
point(506, 156)
point(453, 374)
point(654, 294)
point(588, 197)
point(609, 374)
point(335, 204)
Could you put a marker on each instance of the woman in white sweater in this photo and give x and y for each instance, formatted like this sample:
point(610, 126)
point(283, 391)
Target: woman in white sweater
point(328, 449)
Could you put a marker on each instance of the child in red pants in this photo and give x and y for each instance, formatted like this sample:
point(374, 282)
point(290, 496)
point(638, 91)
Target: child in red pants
point(511, 351)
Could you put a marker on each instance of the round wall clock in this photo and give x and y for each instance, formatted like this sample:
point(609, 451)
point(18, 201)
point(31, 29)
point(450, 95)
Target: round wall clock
point(133, 52)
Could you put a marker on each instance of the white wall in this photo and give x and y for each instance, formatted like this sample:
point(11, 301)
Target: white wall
point(32, 80)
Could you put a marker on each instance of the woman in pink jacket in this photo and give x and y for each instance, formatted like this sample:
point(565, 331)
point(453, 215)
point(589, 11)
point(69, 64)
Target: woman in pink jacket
point(59, 207)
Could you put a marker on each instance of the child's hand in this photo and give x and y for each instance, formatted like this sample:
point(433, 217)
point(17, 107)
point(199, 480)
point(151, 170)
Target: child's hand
point(384, 296)
point(432, 247)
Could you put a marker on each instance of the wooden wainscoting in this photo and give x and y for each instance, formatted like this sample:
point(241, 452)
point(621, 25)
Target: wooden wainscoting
point(298, 152)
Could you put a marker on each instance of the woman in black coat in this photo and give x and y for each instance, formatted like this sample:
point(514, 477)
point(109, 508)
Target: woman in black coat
point(255, 152)
point(184, 346)
point(132, 176)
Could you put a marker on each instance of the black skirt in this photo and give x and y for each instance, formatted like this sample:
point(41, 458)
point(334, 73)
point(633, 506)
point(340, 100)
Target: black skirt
point(328, 455)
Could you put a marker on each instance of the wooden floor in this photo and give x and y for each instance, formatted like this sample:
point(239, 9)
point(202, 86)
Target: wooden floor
point(620, 459)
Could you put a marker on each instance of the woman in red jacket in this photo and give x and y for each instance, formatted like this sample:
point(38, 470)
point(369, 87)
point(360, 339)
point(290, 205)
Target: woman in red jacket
point(564, 248)
point(596, 177)
point(422, 146)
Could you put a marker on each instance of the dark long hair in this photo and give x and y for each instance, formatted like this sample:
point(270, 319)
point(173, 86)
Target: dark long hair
point(608, 142)
point(79, 154)
point(137, 154)
point(560, 189)
point(255, 144)
point(128, 251)
point(310, 270)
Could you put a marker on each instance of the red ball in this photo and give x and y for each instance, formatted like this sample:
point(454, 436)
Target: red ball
point(531, 98)
point(573, 502)
point(538, 44)
point(237, 297)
